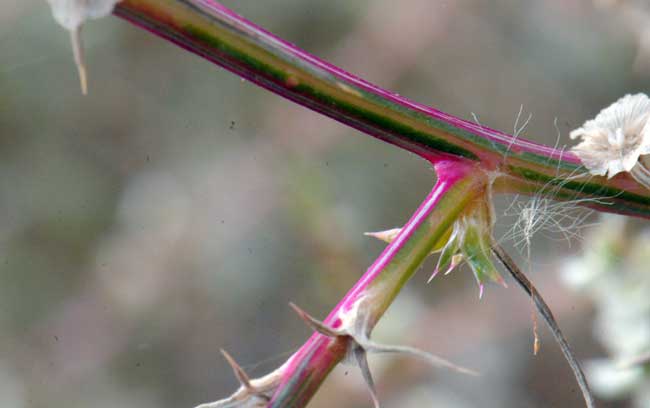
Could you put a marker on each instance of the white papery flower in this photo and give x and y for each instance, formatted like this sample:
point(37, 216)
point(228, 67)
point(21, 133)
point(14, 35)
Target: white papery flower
point(71, 14)
point(616, 140)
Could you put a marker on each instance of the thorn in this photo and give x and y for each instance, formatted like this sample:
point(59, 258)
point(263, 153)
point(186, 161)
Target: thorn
point(315, 324)
point(78, 52)
point(455, 261)
point(225, 403)
point(362, 361)
point(239, 372)
point(372, 347)
point(433, 275)
point(480, 290)
point(386, 236)
point(499, 279)
point(256, 394)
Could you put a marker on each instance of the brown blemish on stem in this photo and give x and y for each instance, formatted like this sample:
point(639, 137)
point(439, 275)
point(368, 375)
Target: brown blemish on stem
point(292, 81)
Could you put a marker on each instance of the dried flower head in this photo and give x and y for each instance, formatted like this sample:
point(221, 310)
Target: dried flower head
point(617, 138)
point(71, 14)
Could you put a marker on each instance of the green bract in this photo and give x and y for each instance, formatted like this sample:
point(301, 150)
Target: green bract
point(470, 241)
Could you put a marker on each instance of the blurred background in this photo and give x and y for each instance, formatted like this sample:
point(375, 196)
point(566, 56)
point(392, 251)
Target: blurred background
point(177, 209)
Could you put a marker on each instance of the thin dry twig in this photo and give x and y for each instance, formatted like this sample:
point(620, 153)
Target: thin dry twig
point(546, 313)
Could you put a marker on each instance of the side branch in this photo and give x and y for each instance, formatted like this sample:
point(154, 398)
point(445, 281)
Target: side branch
point(346, 330)
point(458, 186)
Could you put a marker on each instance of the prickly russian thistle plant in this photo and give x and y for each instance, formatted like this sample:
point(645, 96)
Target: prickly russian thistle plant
point(472, 163)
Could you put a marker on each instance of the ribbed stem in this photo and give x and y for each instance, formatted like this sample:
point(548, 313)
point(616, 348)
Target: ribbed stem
point(459, 185)
point(216, 33)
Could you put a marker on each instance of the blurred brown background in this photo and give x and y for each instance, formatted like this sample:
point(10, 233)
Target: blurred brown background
point(177, 209)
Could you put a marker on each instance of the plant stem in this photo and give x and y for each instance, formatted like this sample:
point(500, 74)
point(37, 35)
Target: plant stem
point(457, 187)
point(214, 32)
point(462, 152)
point(546, 313)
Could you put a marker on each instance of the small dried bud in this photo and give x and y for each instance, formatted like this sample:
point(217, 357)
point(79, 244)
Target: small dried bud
point(616, 140)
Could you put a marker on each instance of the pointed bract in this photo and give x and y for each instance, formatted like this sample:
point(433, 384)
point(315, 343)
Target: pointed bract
point(477, 254)
point(436, 361)
point(448, 254)
point(386, 236)
point(239, 372)
point(359, 345)
point(390, 235)
point(361, 359)
point(315, 324)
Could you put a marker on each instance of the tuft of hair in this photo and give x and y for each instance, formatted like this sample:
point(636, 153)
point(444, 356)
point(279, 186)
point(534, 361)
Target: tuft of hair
point(557, 220)
point(548, 211)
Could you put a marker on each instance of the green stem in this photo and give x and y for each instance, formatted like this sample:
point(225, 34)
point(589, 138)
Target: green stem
point(214, 32)
point(459, 185)
point(547, 314)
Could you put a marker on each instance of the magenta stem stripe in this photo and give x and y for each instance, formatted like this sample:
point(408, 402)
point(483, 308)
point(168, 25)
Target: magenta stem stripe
point(216, 33)
point(457, 188)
